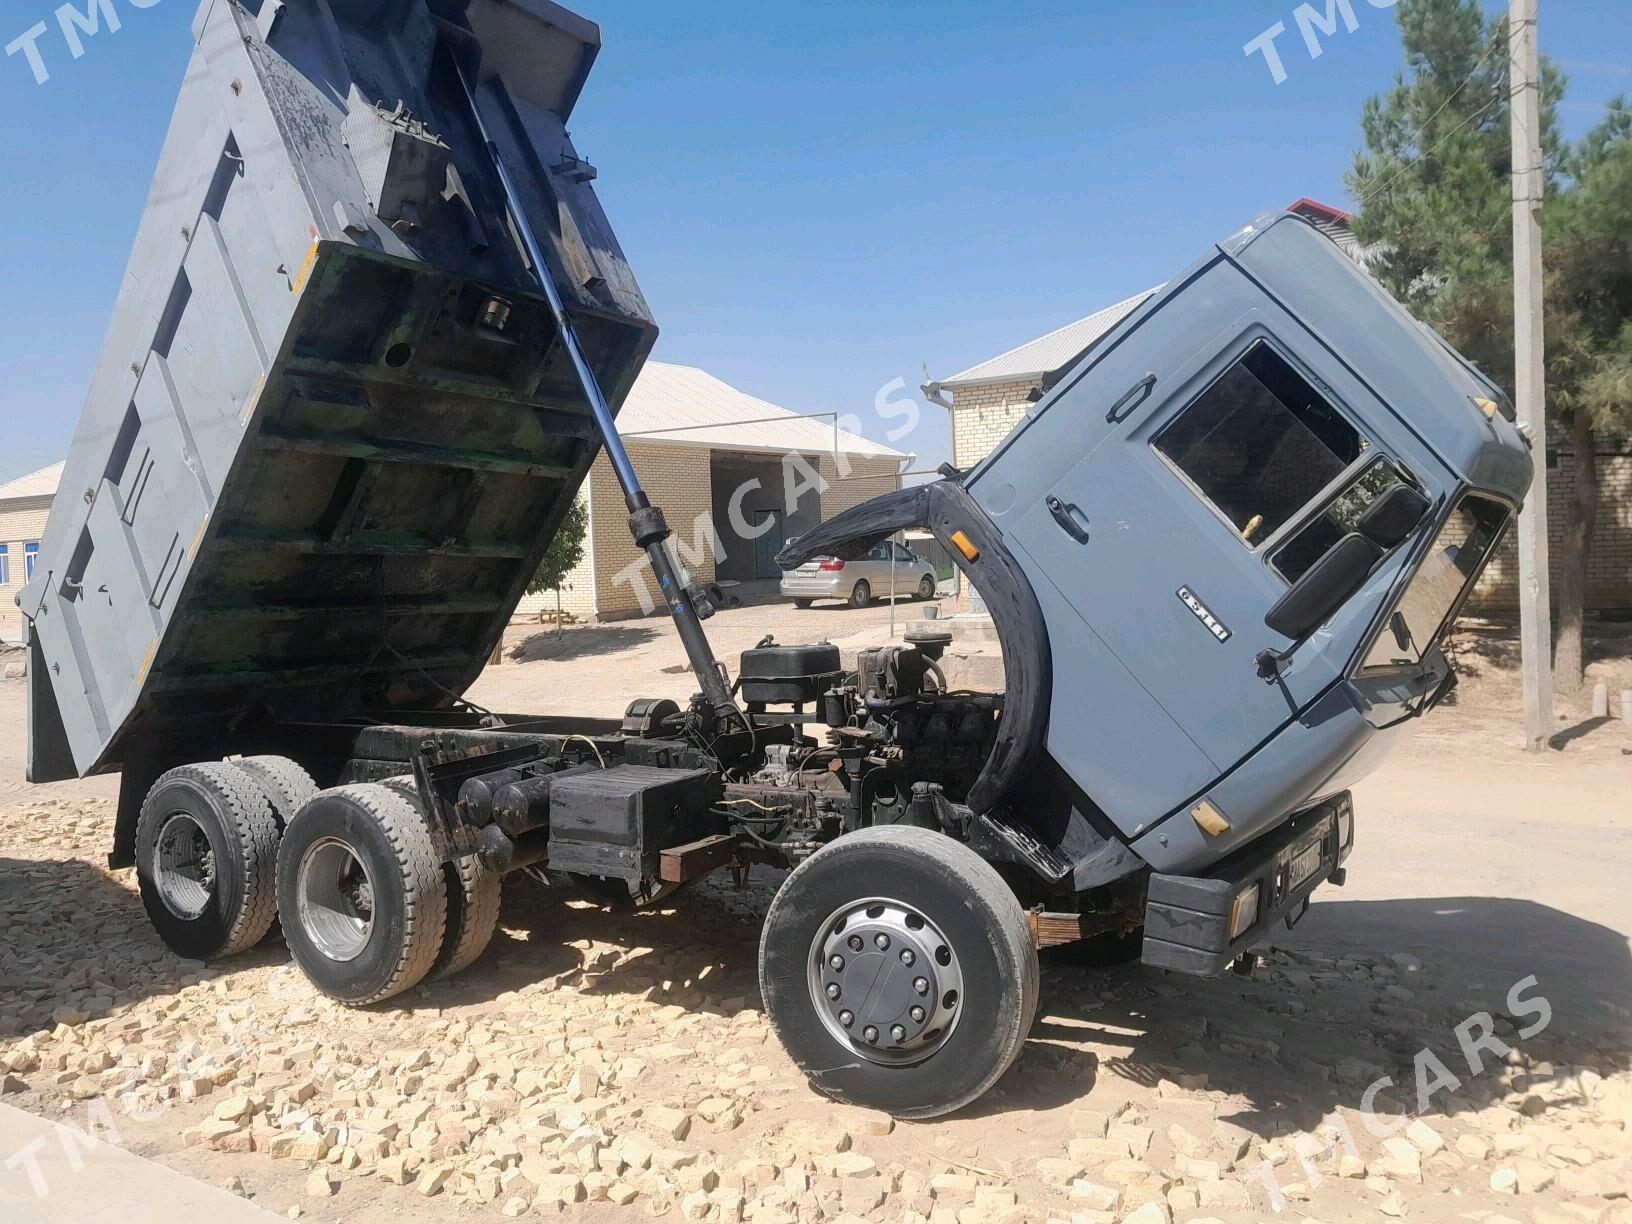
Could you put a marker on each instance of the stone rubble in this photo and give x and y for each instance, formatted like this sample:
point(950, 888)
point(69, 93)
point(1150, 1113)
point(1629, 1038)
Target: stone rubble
point(603, 1065)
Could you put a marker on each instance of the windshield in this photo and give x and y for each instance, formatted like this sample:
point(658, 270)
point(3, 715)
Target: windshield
point(1458, 556)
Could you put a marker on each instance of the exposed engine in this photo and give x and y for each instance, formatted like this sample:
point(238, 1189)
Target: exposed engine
point(895, 745)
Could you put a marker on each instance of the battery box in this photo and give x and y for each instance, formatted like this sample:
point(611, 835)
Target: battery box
point(614, 823)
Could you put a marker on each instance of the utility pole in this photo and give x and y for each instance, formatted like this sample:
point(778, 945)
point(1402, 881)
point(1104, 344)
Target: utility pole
point(1535, 607)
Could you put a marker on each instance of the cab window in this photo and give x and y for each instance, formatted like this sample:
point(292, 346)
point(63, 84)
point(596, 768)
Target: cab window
point(1261, 444)
point(1342, 516)
point(1458, 556)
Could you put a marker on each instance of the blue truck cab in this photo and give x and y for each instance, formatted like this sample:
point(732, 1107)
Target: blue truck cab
point(1223, 555)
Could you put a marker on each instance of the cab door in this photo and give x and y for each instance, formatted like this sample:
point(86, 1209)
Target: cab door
point(1160, 538)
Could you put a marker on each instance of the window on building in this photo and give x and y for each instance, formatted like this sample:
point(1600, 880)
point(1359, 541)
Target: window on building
point(30, 551)
point(5, 565)
point(1260, 444)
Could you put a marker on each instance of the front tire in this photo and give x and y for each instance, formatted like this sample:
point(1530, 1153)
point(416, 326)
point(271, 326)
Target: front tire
point(206, 861)
point(899, 972)
point(861, 595)
point(926, 588)
point(361, 894)
point(803, 604)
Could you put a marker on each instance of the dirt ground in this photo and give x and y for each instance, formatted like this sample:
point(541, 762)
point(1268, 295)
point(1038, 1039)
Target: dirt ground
point(619, 1067)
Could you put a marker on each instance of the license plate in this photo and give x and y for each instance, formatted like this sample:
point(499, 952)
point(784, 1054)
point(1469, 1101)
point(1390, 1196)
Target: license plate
point(1306, 864)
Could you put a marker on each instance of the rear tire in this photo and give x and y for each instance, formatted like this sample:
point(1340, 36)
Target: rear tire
point(929, 1034)
point(861, 595)
point(287, 786)
point(361, 893)
point(206, 861)
point(474, 895)
point(803, 604)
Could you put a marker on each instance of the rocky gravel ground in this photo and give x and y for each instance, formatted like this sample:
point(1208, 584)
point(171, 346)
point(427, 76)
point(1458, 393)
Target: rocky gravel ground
point(619, 1066)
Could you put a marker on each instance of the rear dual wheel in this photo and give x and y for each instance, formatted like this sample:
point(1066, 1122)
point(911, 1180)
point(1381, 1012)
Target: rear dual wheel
point(899, 972)
point(369, 909)
point(206, 860)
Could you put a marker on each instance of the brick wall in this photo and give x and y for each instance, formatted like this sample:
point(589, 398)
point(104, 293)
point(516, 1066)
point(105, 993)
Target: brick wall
point(578, 589)
point(21, 522)
point(983, 416)
point(1609, 572)
point(676, 478)
point(866, 479)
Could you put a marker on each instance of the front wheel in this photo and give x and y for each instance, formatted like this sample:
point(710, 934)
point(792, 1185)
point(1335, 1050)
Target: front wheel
point(899, 972)
point(926, 588)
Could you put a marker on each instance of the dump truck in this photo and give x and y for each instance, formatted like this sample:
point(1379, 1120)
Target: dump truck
point(375, 329)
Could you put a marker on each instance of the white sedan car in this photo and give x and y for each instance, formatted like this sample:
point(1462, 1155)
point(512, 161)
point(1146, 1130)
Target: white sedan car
point(858, 583)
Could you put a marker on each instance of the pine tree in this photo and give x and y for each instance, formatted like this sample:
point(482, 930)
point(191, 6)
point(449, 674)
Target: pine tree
point(1433, 184)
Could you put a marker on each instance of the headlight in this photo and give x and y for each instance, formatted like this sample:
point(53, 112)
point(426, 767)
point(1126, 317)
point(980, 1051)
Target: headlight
point(1244, 912)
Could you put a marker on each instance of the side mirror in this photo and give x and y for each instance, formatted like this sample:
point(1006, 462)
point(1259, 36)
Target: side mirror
point(1323, 588)
point(1393, 516)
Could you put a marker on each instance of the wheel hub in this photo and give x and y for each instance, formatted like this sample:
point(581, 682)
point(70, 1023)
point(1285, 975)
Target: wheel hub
point(335, 899)
point(184, 866)
point(885, 981)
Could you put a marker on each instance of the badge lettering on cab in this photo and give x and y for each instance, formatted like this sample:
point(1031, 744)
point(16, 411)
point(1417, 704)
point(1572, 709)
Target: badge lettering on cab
point(1204, 614)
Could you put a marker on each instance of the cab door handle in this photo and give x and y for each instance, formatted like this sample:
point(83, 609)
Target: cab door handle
point(1068, 516)
point(1131, 400)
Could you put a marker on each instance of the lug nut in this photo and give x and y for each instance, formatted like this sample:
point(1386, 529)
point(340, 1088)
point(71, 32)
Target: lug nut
point(832, 990)
point(883, 942)
point(898, 1033)
point(870, 1035)
point(921, 985)
point(907, 958)
point(917, 1015)
point(837, 962)
point(847, 1018)
point(855, 943)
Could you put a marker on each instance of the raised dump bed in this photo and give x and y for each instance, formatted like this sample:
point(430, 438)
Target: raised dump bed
point(333, 430)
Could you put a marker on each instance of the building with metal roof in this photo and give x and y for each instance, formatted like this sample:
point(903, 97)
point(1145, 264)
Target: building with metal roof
point(24, 505)
point(737, 477)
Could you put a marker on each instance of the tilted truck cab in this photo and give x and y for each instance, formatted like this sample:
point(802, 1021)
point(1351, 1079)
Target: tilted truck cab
point(1141, 527)
point(376, 328)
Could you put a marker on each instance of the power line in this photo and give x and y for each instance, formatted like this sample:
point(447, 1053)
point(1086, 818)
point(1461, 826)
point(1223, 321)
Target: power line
point(1422, 131)
point(1399, 172)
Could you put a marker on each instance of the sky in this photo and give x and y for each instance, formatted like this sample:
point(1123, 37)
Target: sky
point(819, 197)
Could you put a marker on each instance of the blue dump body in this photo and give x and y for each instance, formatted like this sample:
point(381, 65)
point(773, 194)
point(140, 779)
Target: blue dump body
point(332, 431)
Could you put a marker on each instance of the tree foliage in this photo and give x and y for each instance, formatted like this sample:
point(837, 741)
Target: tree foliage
point(1433, 183)
point(566, 550)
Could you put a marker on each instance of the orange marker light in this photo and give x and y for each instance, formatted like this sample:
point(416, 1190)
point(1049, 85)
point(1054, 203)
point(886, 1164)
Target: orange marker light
point(966, 546)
